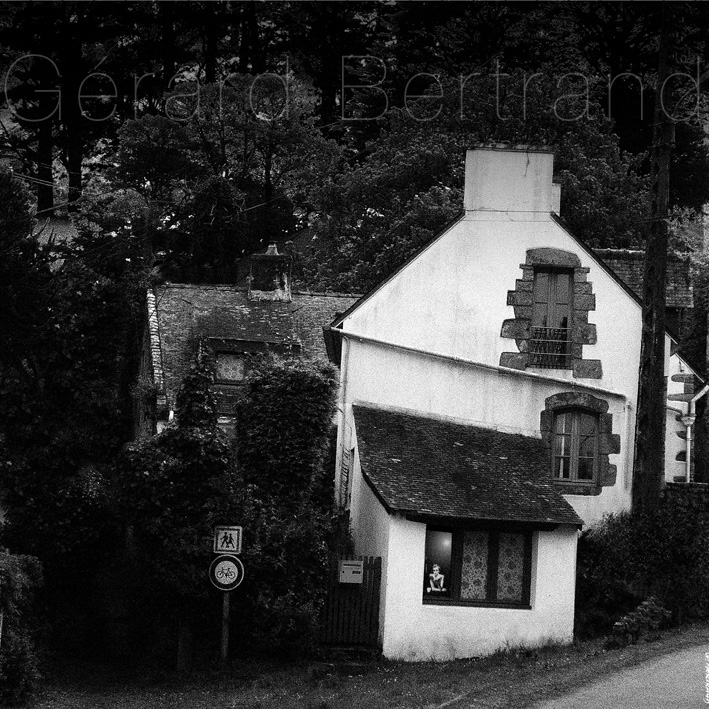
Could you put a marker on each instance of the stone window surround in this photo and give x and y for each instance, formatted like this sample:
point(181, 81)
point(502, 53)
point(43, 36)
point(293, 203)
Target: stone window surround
point(519, 327)
point(608, 442)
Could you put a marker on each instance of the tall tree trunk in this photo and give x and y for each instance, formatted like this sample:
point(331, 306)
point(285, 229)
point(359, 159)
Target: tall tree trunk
point(44, 43)
point(210, 42)
point(45, 156)
point(648, 472)
point(249, 39)
point(71, 114)
point(267, 213)
point(167, 24)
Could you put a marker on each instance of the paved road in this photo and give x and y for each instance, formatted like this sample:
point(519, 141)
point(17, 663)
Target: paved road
point(675, 681)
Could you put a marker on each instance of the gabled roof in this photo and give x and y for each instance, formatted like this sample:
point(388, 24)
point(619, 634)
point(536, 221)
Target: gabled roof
point(628, 265)
point(183, 313)
point(679, 289)
point(375, 289)
point(431, 468)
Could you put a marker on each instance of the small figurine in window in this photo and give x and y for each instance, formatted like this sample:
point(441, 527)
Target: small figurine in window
point(436, 580)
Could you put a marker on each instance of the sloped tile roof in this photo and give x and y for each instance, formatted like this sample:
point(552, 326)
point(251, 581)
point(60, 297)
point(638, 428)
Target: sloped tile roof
point(628, 265)
point(186, 312)
point(434, 468)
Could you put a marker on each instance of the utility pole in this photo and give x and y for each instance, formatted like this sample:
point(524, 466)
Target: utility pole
point(649, 466)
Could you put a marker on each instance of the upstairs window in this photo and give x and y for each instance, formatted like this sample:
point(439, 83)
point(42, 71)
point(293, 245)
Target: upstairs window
point(231, 368)
point(575, 449)
point(552, 305)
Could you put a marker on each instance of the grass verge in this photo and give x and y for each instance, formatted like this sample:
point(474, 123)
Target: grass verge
point(507, 680)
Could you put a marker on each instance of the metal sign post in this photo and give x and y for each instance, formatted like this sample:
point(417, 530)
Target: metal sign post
point(225, 627)
point(226, 572)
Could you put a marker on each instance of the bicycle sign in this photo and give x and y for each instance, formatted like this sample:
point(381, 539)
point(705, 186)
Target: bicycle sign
point(226, 572)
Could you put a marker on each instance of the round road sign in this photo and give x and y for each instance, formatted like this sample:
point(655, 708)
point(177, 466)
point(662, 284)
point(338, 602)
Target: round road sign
point(226, 572)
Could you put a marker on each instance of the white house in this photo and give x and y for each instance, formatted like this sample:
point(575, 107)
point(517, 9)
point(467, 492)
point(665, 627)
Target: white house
point(486, 414)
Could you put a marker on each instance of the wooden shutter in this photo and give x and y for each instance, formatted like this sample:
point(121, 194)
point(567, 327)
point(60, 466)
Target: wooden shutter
point(560, 299)
point(540, 304)
point(552, 299)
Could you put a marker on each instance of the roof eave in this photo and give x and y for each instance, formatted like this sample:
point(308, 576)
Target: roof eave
point(454, 521)
point(668, 330)
point(415, 515)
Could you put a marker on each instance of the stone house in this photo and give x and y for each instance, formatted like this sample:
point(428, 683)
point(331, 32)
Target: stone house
point(486, 414)
point(237, 324)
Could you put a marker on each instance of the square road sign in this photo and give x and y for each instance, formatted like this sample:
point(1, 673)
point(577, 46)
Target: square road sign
point(227, 540)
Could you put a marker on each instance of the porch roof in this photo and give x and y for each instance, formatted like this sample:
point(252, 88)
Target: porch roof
point(433, 468)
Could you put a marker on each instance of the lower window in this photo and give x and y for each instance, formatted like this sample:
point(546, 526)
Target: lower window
point(576, 446)
point(477, 567)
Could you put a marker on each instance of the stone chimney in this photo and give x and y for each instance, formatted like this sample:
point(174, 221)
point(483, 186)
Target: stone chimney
point(270, 277)
point(510, 179)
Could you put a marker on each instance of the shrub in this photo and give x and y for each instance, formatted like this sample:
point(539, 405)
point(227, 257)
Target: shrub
point(19, 672)
point(282, 433)
point(644, 621)
point(171, 490)
point(627, 559)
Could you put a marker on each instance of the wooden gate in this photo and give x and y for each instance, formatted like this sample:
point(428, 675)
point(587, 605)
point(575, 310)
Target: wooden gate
point(351, 613)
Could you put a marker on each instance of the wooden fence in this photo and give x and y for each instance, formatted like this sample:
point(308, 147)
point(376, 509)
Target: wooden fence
point(351, 613)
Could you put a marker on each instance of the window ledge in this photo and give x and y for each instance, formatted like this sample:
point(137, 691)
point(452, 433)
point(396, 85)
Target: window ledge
point(474, 604)
point(544, 370)
point(577, 488)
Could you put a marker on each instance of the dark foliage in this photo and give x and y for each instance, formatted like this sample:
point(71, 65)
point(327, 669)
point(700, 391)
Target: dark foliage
point(170, 490)
point(409, 182)
point(65, 371)
point(20, 577)
point(282, 435)
point(644, 622)
point(662, 553)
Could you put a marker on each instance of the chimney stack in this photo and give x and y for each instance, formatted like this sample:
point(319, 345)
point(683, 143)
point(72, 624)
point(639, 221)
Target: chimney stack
point(270, 277)
point(509, 179)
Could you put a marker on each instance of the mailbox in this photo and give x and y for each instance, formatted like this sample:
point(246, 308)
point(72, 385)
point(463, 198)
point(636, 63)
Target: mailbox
point(351, 571)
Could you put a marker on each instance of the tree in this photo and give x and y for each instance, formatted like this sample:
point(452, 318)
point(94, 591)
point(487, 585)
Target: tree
point(233, 168)
point(68, 355)
point(20, 576)
point(283, 428)
point(170, 490)
point(649, 461)
point(409, 184)
point(25, 283)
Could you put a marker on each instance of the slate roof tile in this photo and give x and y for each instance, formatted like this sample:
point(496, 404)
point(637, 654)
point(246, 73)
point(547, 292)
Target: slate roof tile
point(186, 312)
point(430, 467)
point(628, 265)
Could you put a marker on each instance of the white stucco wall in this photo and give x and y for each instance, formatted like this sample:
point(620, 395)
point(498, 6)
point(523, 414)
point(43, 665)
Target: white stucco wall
point(438, 322)
point(369, 521)
point(451, 300)
point(414, 631)
point(387, 377)
point(370, 530)
point(411, 631)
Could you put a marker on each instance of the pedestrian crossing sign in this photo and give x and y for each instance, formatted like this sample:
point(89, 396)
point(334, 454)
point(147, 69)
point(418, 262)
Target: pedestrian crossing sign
point(227, 540)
